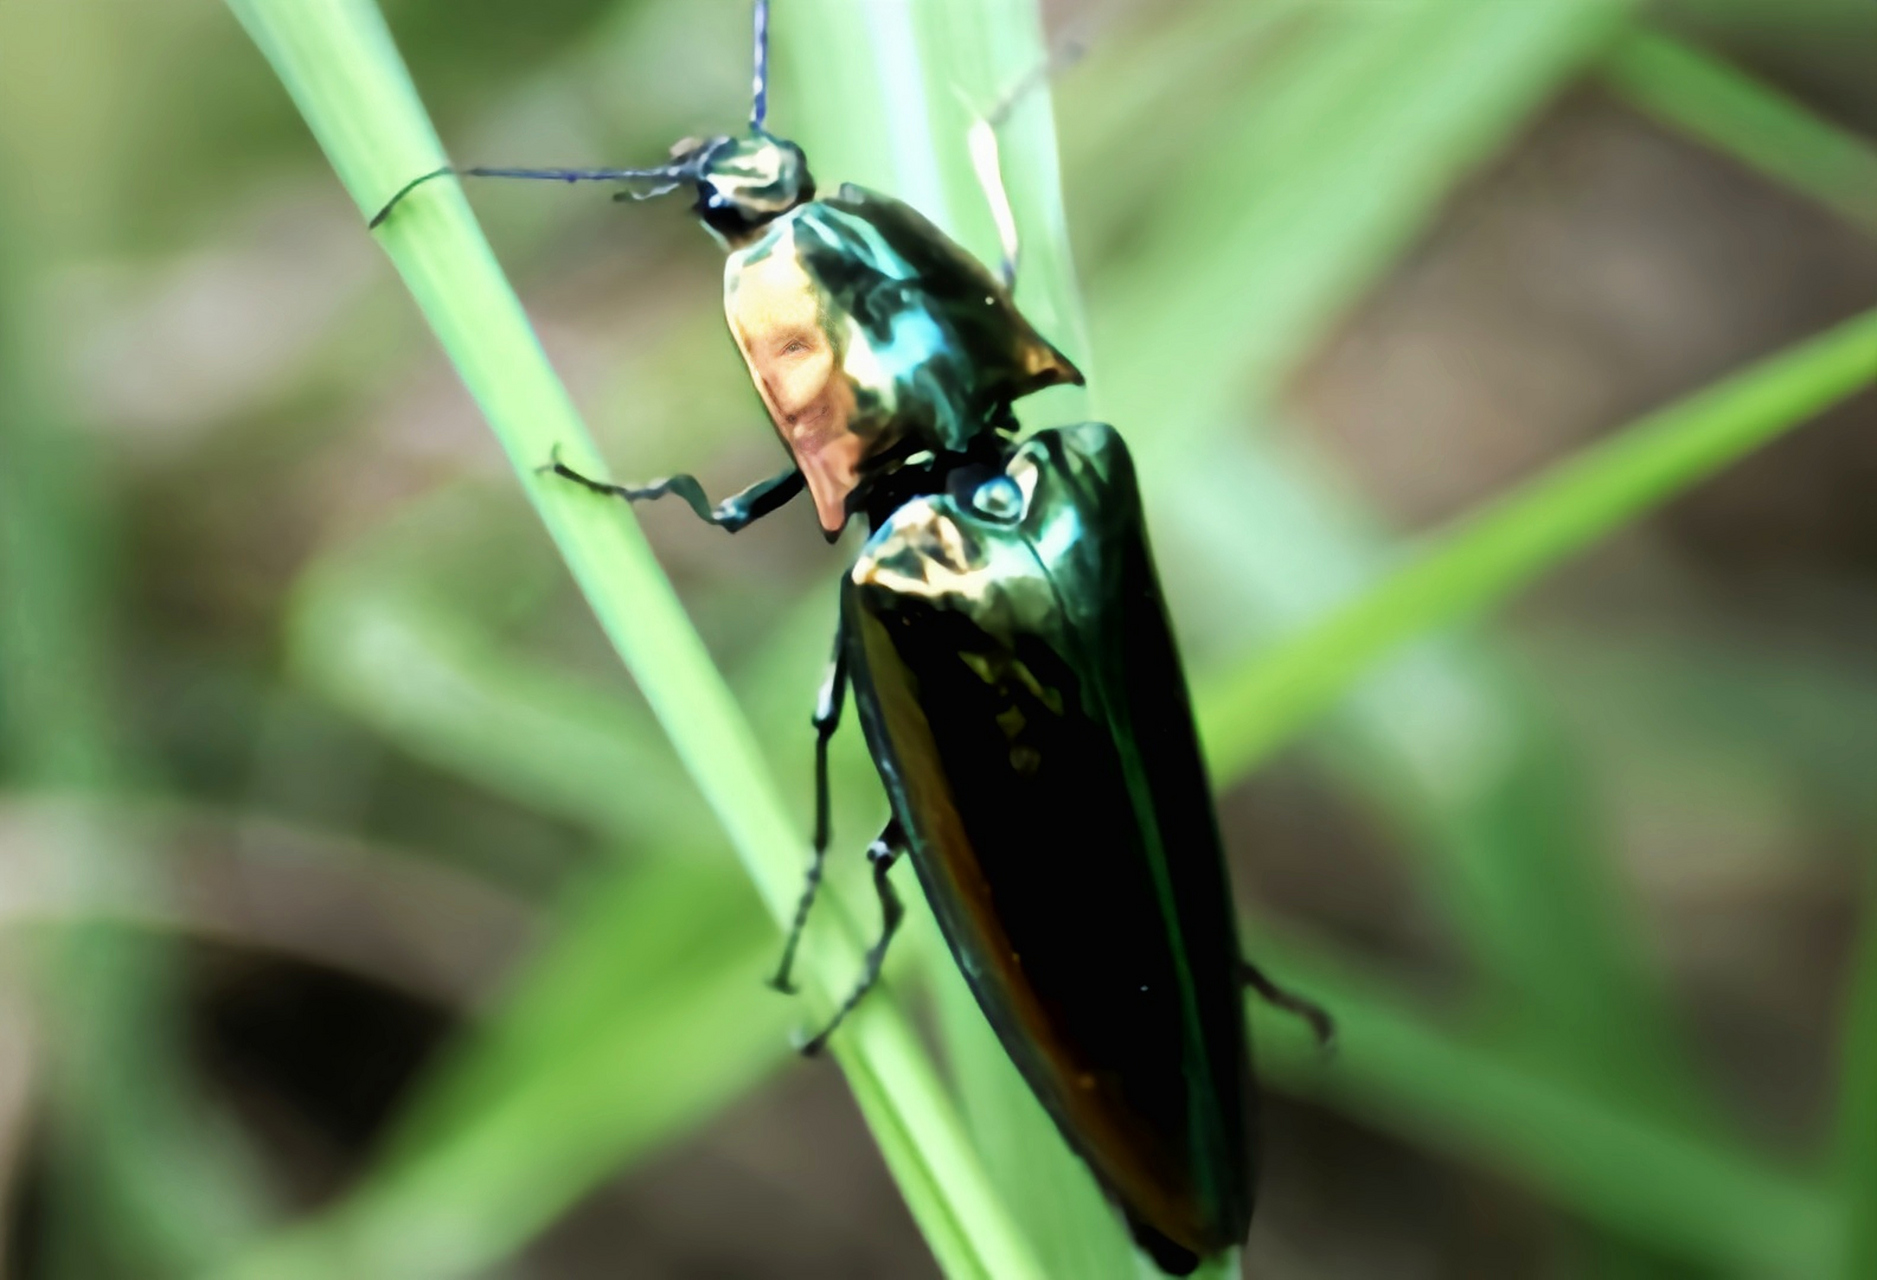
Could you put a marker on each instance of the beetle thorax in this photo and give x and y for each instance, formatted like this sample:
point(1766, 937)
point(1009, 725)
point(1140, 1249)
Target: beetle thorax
point(876, 343)
point(781, 323)
point(836, 400)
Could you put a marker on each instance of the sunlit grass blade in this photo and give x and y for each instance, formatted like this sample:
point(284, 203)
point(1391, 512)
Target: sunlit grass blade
point(1750, 120)
point(338, 62)
point(1247, 713)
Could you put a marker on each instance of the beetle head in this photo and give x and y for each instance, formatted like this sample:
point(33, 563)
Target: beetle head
point(744, 183)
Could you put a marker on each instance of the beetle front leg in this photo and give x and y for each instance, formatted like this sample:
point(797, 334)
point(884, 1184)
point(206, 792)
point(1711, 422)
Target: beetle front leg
point(987, 158)
point(882, 853)
point(987, 163)
point(732, 514)
point(1281, 998)
point(827, 719)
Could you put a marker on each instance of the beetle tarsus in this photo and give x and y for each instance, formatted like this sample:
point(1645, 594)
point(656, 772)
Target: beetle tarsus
point(1319, 1018)
point(781, 979)
point(882, 853)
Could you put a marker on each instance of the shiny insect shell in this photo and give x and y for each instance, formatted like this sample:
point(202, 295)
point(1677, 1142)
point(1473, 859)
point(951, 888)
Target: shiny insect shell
point(1017, 683)
point(1015, 675)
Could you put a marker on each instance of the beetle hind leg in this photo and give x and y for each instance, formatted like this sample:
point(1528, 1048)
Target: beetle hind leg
point(882, 853)
point(827, 719)
point(1282, 998)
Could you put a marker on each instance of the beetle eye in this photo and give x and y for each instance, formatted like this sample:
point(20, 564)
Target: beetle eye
point(998, 498)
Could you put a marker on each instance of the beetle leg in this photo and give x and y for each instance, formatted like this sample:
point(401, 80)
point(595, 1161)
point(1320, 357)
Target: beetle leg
point(987, 163)
point(882, 853)
point(827, 718)
point(1280, 998)
point(981, 141)
point(731, 514)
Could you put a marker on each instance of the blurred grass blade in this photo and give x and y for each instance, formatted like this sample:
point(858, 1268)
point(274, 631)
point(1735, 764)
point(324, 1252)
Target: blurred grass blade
point(365, 631)
point(1620, 1166)
point(1855, 1132)
point(1326, 137)
point(338, 62)
point(592, 1060)
point(1774, 728)
point(637, 1022)
point(1248, 713)
point(141, 1172)
point(1748, 119)
point(626, 942)
point(1305, 187)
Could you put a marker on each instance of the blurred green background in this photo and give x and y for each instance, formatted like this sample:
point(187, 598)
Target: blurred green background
point(356, 920)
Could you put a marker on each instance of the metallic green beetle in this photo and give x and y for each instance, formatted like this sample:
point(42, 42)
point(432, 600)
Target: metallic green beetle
point(1016, 678)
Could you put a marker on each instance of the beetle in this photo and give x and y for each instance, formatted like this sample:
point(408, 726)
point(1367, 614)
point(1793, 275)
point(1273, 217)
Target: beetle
point(1008, 649)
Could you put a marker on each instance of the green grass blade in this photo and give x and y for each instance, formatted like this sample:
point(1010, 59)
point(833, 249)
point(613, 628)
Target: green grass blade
point(1855, 1132)
point(1748, 119)
point(640, 1020)
point(591, 1061)
point(379, 645)
point(1685, 720)
point(142, 1172)
point(1248, 713)
point(338, 62)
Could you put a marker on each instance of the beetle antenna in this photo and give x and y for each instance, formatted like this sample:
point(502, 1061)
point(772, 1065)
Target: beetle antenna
point(670, 175)
point(759, 100)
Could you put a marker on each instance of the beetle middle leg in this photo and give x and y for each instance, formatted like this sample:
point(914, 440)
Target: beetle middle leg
point(1282, 998)
point(882, 853)
point(827, 719)
point(730, 515)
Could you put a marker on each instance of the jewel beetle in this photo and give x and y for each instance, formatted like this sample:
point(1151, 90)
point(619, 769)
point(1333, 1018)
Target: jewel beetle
point(1007, 647)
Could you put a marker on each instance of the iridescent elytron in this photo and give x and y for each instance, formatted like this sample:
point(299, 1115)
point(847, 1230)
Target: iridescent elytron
point(1011, 659)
